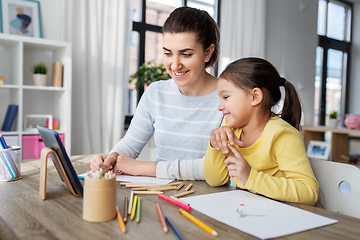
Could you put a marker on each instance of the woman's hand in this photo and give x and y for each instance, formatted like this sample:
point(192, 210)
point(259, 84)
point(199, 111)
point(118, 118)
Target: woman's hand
point(128, 165)
point(221, 137)
point(104, 162)
point(238, 166)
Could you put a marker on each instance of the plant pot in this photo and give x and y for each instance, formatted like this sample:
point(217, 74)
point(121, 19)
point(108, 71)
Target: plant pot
point(40, 79)
point(333, 123)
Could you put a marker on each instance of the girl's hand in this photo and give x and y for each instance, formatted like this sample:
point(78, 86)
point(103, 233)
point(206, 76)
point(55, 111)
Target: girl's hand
point(238, 166)
point(221, 137)
point(101, 161)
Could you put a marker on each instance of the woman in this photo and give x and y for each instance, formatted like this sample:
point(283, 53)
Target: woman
point(179, 112)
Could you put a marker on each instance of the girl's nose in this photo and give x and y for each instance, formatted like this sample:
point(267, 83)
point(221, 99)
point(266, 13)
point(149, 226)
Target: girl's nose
point(220, 107)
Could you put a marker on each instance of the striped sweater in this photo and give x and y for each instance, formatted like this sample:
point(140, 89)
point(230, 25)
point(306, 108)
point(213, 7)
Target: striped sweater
point(181, 126)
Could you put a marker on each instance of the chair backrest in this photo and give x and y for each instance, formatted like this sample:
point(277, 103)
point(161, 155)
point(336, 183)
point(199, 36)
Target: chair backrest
point(339, 186)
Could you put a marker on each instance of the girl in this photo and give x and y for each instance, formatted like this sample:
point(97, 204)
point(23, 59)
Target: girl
point(180, 112)
point(267, 154)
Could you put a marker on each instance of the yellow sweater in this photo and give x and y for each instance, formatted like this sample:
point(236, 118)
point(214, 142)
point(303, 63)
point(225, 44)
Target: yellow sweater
point(280, 168)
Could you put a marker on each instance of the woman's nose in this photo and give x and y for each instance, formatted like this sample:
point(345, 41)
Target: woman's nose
point(176, 65)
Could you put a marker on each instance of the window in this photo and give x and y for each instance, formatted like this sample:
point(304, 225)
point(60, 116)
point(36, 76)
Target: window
point(146, 38)
point(332, 59)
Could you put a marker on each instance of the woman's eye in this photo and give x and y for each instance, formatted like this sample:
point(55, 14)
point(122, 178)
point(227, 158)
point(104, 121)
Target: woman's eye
point(167, 54)
point(187, 55)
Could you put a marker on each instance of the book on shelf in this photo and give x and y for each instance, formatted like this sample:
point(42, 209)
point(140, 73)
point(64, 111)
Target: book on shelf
point(9, 117)
point(57, 74)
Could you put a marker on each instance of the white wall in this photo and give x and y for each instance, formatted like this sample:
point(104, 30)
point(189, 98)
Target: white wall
point(291, 41)
point(51, 18)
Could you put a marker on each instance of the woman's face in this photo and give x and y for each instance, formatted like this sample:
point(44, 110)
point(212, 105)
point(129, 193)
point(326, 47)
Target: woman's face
point(184, 59)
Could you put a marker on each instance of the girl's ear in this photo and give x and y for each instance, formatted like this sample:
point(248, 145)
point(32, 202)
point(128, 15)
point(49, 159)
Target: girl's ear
point(257, 96)
point(208, 52)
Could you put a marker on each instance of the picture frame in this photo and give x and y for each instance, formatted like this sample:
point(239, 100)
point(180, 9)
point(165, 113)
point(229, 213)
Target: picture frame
point(318, 150)
point(20, 17)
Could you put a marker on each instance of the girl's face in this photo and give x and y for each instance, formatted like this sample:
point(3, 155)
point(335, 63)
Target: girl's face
point(235, 104)
point(184, 59)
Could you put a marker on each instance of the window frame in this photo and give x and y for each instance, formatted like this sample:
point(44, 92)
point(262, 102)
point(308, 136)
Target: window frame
point(344, 46)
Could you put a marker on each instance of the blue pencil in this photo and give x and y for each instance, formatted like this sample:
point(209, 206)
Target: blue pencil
point(174, 228)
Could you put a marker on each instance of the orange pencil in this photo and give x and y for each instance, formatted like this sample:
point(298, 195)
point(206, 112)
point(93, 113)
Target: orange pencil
point(161, 218)
point(120, 220)
point(125, 209)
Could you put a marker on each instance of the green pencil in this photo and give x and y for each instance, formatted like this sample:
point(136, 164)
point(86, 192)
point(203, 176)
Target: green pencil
point(138, 210)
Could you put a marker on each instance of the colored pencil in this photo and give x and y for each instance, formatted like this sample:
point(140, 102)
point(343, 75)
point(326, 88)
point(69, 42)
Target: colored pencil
point(180, 204)
point(161, 218)
point(198, 222)
point(120, 220)
point(125, 209)
point(130, 202)
point(147, 192)
point(188, 187)
point(174, 228)
point(184, 193)
point(138, 210)
point(179, 200)
point(180, 186)
point(133, 209)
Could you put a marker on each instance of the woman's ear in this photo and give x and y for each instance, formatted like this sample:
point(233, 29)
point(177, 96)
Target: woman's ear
point(208, 52)
point(257, 96)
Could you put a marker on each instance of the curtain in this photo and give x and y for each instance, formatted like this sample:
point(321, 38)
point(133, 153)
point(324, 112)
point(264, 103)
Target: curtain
point(242, 29)
point(99, 31)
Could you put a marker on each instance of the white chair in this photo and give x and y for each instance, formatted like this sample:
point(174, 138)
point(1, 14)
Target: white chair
point(339, 186)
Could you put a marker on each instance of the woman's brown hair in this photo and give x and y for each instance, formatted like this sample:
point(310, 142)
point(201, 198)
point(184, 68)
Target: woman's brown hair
point(187, 19)
point(250, 73)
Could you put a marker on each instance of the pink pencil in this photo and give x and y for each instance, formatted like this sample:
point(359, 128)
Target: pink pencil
point(180, 204)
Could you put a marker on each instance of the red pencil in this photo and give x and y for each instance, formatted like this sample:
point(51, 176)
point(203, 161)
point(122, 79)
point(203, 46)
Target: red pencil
point(161, 218)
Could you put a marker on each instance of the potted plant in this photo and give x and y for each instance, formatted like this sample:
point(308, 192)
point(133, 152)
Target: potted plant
point(148, 72)
point(333, 119)
point(39, 74)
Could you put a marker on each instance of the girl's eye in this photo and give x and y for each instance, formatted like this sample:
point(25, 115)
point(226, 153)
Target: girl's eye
point(225, 97)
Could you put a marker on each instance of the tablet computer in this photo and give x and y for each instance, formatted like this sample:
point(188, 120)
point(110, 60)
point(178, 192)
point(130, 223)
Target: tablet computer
point(52, 140)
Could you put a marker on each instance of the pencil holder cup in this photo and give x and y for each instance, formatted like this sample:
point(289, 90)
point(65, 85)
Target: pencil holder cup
point(99, 199)
point(10, 163)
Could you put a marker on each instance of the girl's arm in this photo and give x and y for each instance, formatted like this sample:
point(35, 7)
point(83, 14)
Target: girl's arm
point(295, 181)
point(215, 170)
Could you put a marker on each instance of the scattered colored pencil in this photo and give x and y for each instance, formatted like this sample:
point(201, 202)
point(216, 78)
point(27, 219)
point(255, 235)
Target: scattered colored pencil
point(180, 204)
point(130, 202)
point(198, 222)
point(174, 228)
point(184, 193)
point(188, 187)
point(138, 210)
point(133, 209)
point(125, 209)
point(120, 220)
point(161, 218)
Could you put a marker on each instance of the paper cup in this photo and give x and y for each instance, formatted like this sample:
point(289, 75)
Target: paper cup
point(99, 199)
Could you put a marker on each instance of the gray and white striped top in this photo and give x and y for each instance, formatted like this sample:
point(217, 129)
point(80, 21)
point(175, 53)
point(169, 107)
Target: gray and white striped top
point(181, 126)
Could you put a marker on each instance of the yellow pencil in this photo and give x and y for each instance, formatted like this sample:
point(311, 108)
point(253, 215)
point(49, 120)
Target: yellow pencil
point(120, 220)
point(138, 210)
point(133, 209)
point(198, 222)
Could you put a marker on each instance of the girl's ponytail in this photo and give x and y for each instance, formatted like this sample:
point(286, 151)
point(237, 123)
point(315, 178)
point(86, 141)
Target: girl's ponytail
point(291, 111)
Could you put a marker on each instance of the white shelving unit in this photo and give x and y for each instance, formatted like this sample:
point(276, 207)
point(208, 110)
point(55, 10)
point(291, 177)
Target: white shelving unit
point(17, 55)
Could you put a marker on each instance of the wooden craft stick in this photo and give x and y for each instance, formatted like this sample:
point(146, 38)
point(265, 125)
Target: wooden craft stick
point(180, 186)
point(142, 185)
point(136, 183)
point(125, 209)
point(184, 193)
point(188, 187)
point(178, 199)
point(120, 220)
point(161, 218)
point(146, 192)
point(130, 202)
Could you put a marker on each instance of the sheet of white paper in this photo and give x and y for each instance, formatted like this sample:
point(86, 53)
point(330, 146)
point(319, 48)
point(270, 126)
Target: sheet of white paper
point(128, 178)
point(256, 215)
